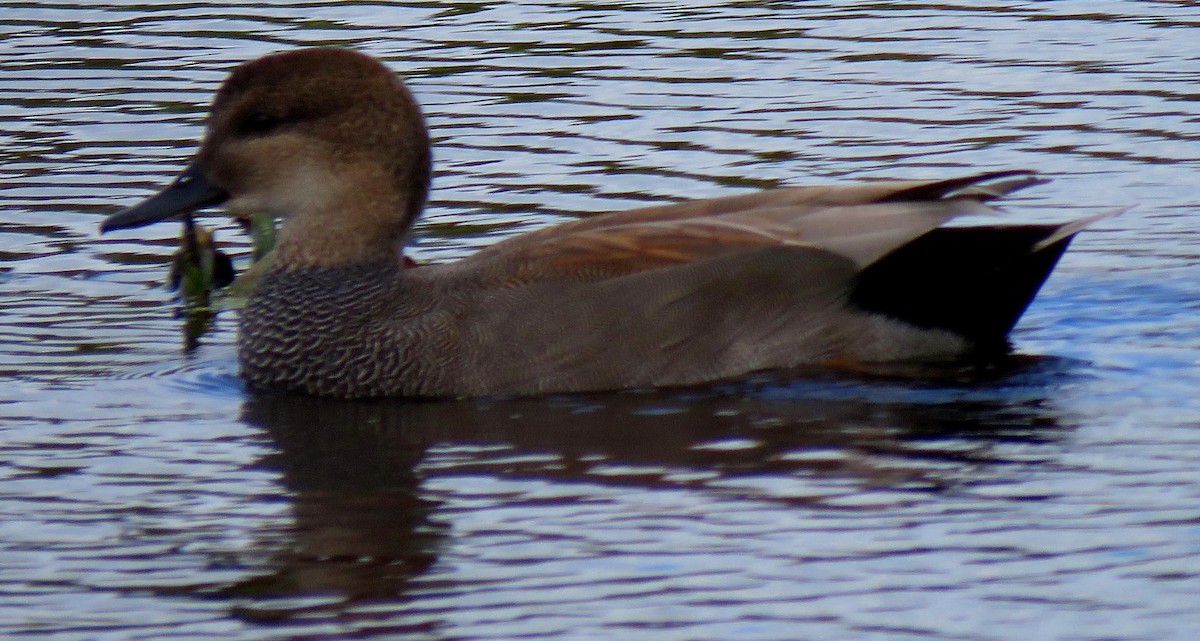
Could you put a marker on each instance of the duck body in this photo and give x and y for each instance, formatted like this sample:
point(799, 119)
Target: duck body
point(474, 327)
point(331, 141)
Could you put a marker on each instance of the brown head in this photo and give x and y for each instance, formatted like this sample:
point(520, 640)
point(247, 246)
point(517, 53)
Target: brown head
point(328, 139)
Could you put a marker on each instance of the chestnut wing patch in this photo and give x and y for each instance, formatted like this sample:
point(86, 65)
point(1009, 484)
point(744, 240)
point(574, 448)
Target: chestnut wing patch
point(626, 249)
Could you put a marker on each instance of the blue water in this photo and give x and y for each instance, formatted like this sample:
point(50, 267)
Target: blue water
point(144, 494)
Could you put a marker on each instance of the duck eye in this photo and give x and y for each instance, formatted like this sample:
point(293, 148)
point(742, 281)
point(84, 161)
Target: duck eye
point(259, 123)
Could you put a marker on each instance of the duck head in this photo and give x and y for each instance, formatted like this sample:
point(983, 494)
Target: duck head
point(328, 139)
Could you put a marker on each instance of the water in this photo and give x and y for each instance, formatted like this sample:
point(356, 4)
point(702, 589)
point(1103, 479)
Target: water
point(145, 495)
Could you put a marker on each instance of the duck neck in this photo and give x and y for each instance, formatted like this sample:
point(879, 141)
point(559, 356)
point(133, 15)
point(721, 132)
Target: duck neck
point(361, 217)
point(354, 235)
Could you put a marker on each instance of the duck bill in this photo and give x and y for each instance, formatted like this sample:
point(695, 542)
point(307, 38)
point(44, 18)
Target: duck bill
point(191, 190)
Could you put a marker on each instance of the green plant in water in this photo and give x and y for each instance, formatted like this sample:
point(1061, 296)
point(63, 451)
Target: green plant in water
point(198, 267)
point(199, 270)
point(261, 228)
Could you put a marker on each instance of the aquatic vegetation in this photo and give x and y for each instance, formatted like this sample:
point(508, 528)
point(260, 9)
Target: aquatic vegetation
point(205, 277)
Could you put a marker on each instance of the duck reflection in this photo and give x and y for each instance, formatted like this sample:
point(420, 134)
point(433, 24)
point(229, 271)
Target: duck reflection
point(361, 528)
point(365, 527)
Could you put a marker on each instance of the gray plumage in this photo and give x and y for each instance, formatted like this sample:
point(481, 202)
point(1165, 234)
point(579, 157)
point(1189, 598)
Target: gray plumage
point(332, 142)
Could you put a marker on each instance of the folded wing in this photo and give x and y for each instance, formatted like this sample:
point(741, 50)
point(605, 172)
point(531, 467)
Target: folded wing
point(860, 222)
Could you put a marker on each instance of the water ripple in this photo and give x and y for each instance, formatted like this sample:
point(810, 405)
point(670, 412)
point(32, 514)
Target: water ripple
point(144, 493)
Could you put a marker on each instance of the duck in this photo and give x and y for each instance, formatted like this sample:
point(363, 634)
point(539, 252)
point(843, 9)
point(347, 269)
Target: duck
point(333, 143)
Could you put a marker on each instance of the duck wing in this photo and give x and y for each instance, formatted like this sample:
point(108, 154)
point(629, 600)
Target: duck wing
point(861, 223)
point(980, 187)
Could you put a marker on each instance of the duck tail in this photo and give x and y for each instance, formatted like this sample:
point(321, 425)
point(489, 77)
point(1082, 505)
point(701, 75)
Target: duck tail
point(973, 281)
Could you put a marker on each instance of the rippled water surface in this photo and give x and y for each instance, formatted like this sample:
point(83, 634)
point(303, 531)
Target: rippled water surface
point(145, 495)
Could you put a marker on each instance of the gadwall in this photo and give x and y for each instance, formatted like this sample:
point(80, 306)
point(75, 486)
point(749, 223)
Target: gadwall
point(332, 142)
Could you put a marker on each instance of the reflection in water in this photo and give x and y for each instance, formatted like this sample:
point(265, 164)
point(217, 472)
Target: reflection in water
point(361, 528)
point(365, 527)
point(1059, 501)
